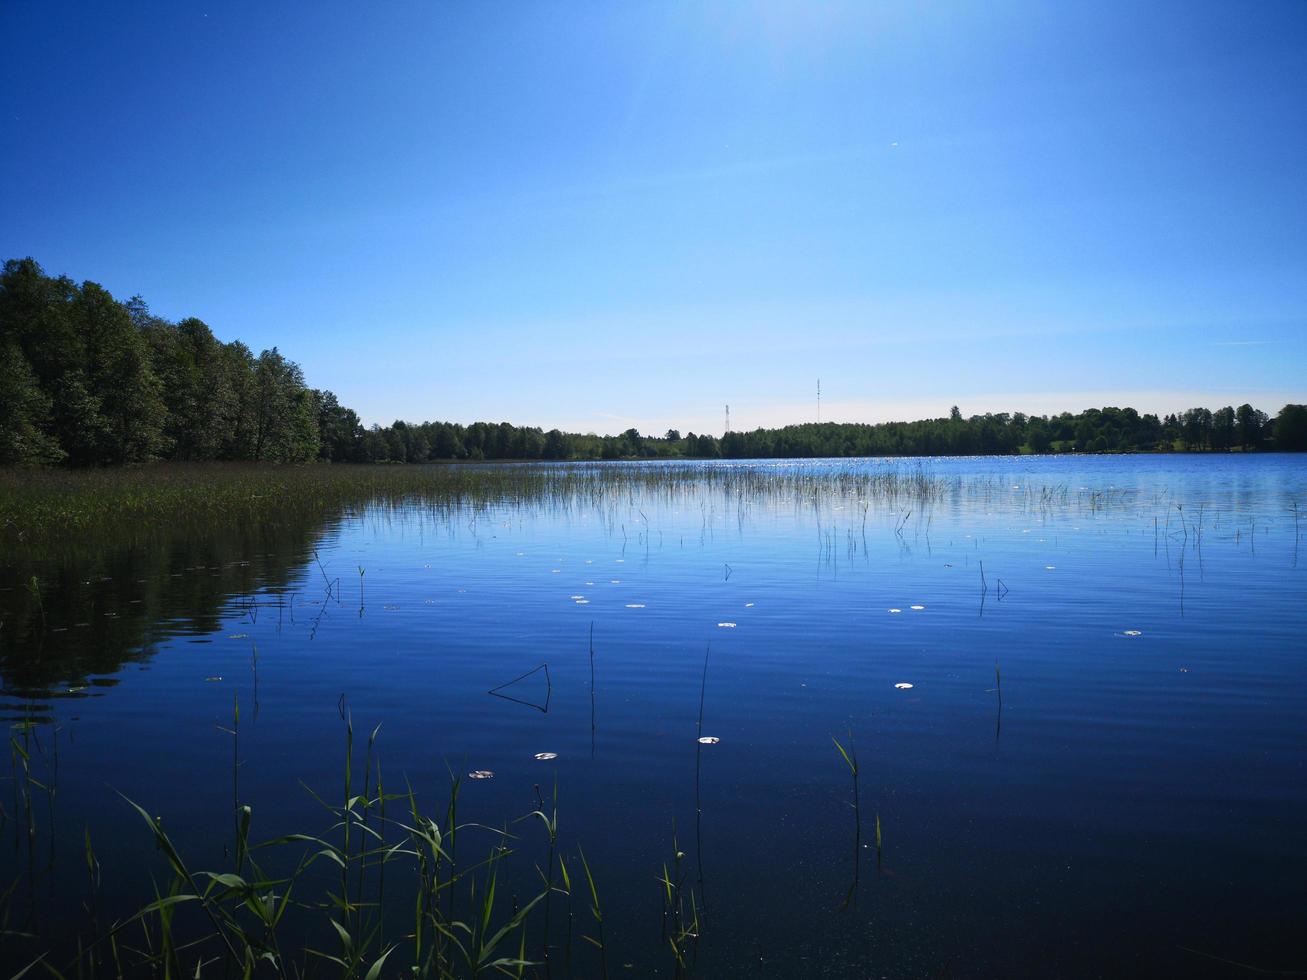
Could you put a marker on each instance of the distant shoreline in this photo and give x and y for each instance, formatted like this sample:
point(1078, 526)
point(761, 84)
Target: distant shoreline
point(89, 381)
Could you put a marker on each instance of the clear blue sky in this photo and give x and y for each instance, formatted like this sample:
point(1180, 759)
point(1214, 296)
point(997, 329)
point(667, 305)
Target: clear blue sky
point(597, 215)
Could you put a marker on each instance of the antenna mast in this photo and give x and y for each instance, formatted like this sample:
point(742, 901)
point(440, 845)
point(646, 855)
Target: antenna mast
point(819, 401)
point(728, 418)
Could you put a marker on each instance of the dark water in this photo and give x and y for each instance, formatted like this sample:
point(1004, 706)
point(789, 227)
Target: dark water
point(1129, 804)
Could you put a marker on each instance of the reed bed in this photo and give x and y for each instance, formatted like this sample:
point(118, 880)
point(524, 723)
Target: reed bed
point(42, 505)
point(52, 508)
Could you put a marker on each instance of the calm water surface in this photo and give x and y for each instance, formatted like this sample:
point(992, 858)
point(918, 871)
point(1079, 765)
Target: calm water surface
point(1133, 803)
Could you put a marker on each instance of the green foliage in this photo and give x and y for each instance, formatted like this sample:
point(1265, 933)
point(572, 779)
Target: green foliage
point(318, 904)
point(285, 413)
point(1251, 425)
point(24, 413)
point(93, 381)
point(121, 378)
point(1291, 428)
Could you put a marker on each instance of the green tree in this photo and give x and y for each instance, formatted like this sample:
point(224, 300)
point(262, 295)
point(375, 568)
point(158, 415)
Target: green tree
point(1196, 428)
point(446, 442)
point(632, 442)
point(340, 433)
point(1250, 423)
point(119, 376)
point(1291, 429)
point(25, 439)
point(1037, 436)
point(1223, 428)
point(35, 313)
point(557, 445)
point(285, 416)
point(240, 424)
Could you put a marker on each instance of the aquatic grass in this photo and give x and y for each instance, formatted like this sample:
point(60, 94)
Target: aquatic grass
point(698, 774)
point(34, 589)
point(850, 757)
point(596, 912)
point(998, 714)
point(680, 917)
point(879, 842)
point(372, 894)
point(43, 507)
point(550, 822)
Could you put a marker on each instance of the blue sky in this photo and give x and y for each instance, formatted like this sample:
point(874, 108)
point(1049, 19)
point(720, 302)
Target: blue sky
point(598, 215)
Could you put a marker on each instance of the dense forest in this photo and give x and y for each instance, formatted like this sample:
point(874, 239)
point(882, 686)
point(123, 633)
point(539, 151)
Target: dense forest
point(87, 380)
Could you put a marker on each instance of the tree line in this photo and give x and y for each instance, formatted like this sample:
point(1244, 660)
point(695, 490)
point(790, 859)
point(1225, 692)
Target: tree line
point(87, 380)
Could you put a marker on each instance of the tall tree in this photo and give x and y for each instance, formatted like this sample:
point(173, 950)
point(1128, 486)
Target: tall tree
point(240, 424)
point(1223, 422)
point(25, 439)
point(1249, 425)
point(340, 433)
point(285, 413)
point(119, 376)
point(1291, 429)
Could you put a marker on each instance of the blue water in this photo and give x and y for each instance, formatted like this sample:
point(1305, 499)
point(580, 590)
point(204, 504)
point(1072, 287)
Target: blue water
point(1129, 798)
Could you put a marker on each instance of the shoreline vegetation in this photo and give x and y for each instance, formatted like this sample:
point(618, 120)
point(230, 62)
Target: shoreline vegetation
point(59, 506)
point(89, 381)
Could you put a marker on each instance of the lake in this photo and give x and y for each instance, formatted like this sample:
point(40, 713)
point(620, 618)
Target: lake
point(1074, 688)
